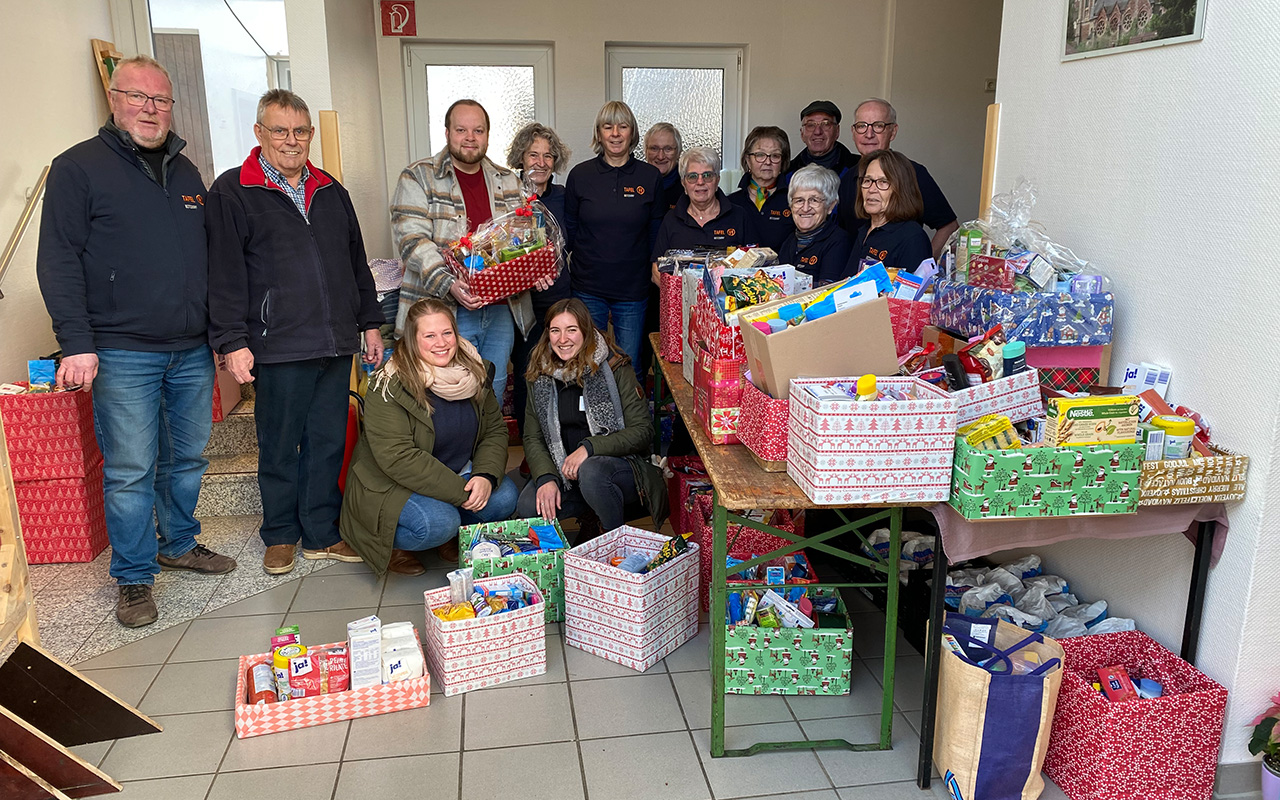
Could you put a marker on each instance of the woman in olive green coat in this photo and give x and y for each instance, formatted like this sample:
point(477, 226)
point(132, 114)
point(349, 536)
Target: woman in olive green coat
point(586, 427)
point(434, 449)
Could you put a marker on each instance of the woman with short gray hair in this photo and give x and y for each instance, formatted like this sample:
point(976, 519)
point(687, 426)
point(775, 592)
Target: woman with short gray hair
point(819, 247)
point(703, 217)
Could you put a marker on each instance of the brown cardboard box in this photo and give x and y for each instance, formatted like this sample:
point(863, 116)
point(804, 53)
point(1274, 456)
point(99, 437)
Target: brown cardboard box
point(943, 340)
point(855, 341)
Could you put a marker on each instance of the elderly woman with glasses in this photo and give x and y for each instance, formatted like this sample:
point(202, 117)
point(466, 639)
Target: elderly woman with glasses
point(763, 188)
point(888, 202)
point(704, 217)
point(818, 246)
point(662, 148)
point(612, 208)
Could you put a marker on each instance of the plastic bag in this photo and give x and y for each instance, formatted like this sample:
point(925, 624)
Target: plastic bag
point(1065, 627)
point(1011, 614)
point(1090, 614)
point(1006, 581)
point(1052, 584)
point(979, 598)
point(507, 237)
point(1063, 601)
point(919, 550)
point(1034, 602)
point(1113, 625)
point(960, 581)
point(916, 547)
point(1023, 568)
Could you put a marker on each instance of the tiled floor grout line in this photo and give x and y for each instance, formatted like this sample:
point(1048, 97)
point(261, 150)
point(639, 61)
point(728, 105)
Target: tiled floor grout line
point(689, 731)
point(573, 715)
point(462, 740)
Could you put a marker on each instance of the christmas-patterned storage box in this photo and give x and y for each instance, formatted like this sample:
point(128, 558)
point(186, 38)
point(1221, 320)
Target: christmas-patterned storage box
point(762, 427)
point(50, 435)
point(545, 569)
point(63, 520)
point(1016, 397)
point(815, 661)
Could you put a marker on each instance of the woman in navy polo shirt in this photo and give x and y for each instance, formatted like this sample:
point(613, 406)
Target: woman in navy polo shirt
point(889, 201)
point(819, 246)
point(613, 206)
point(703, 216)
point(766, 155)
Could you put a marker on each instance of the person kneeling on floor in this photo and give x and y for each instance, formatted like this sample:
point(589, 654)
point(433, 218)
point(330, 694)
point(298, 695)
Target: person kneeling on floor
point(433, 452)
point(587, 432)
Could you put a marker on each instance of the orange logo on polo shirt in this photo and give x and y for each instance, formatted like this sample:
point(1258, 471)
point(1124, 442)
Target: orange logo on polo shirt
point(720, 233)
point(884, 254)
point(809, 260)
point(629, 191)
point(190, 202)
point(639, 190)
point(786, 212)
point(733, 232)
point(776, 213)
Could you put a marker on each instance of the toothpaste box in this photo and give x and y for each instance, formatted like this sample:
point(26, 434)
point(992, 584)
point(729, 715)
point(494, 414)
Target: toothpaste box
point(1152, 440)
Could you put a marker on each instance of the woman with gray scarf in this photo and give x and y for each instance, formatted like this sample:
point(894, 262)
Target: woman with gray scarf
point(586, 428)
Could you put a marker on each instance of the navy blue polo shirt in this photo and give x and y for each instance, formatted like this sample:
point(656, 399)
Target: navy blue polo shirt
point(611, 216)
point(895, 244)
point(672, 188)
point(774, 217)
point(826, 258)
point(733, 226)
point(937, 211)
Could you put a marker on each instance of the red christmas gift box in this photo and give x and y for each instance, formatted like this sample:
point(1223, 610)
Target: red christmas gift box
point(63, 520)
point(742, 542)
point(50, 435)
point(717, 396)
point(1016, 397)
point(909, 318)
point(688, 475)
point(670, 318)
point(707, 331)
point(762, 427)
point(1163, 748)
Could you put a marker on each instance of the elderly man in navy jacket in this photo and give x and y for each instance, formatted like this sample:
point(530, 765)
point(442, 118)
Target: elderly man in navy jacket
point(123, 270)
point(290, 299)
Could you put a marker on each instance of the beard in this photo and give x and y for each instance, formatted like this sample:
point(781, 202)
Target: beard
point(458, 155)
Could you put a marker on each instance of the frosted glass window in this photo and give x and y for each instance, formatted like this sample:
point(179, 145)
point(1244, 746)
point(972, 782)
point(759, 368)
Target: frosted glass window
point(507, 93)
point(691, 99)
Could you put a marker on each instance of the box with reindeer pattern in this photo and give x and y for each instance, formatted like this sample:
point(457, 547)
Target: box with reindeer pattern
point(1046, 481)
point(799, 661)
point(545, 569)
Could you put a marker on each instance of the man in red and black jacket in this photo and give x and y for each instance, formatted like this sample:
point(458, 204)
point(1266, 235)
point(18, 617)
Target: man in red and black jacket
point(290, 299)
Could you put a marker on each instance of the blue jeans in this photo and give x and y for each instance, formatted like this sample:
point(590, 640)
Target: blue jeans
point(493, 331)
point(301, 416)
point(152, 415)
point(426, 522)
point(628, 324)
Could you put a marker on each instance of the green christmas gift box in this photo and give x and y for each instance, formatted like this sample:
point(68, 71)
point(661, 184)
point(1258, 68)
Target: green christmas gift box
point(544, 569)
point(791, 660)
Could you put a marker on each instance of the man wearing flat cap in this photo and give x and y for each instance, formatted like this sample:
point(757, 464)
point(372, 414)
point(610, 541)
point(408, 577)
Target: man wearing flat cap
point(820, 132)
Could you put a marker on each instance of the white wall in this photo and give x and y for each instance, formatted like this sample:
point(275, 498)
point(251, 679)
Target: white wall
point(1160, 166)
point(65, 104)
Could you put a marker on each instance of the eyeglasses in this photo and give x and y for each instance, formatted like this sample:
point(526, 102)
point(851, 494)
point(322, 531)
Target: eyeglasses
point(804, 202)
point(698, 177)
point(880, 183)
point(301, 134)
point(663, 150)
point(767, 158)
point(813, 127)
point(877, 127)
point(139, 99)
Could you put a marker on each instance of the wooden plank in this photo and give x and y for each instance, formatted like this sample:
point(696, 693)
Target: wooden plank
point(17, 605)
point(331, 144)
point(67, 706)
point(19, 783)
point(53, 763)
point(989, 153)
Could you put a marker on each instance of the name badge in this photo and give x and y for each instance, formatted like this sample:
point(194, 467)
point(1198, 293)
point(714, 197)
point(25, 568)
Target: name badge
point(582, 404)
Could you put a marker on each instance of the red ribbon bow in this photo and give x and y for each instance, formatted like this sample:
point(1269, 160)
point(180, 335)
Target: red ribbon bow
point(524, 211)
point(465, 242)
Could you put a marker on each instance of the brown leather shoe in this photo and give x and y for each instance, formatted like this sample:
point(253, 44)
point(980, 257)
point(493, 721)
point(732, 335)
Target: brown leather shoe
point(279, 558)
point(448, 551)
point(404, 563)
point(136, 607)
point(338, 552)
point(200, 559)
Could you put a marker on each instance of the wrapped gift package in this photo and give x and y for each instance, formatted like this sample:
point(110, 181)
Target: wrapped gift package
point(306, 712)
point(468, 654)
point(743, 542)
point(908, 318)
point(546, 570)
point(842, 451)
point(63, 520)
point(762, 427)
point(50, 435)
point(1071, 369)
point(1165, 747)
point(1016, 397)
point(500, 281)
point(1035, 318)
point(1219, 478)
point(670, 318)
point(717, 396)
point(628, 618)
point(688, 480)
point(796, 661)
point(1046, 481)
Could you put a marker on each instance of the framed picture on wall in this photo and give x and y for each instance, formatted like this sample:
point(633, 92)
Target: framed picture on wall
point(1103, 27)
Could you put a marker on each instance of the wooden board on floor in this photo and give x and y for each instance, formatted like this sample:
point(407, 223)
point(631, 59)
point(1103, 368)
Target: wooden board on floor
point(65, 705)
point(19, 783)
point(57, 767)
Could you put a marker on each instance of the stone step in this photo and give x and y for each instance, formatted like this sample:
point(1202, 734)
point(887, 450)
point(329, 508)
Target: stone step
point(230, 486)
point(236, 433)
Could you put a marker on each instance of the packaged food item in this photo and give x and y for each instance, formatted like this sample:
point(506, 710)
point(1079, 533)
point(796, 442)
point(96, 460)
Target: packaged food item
point(401, 659)
point(288, 635)
point(334, 665)
point(992, 432)
point(1015, 358)
point(867, 388)
point(1081, 421)
point(455, 611)
point(460, 584)
point(262, 684)
point(775, 576)
point(304, 677)
point(41, 376)
point(742, 292)
point(1178, 434)
point(1116, 684)
point(788, 614)
point(672, 548)
point(636, 562)
point(1152, 438)
point(364, 641)
point(280, 663)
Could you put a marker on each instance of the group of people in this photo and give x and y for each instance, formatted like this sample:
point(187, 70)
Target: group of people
point(147, 276)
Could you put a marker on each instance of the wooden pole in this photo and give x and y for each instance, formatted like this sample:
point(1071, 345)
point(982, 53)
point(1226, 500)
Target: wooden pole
point(17, 606)
point(989, 153)
point(331, 144)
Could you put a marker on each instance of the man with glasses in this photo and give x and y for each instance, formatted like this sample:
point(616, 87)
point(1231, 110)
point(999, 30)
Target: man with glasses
point(820, 132)
point(875, 126)
point(291, 299)
point(123, 268)
point(662, 148)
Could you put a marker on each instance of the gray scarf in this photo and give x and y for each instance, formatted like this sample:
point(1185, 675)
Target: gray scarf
point(600, 397)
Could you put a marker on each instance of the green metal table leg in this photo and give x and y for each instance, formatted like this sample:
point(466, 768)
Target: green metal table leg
point(719, 595)
point(891, 626)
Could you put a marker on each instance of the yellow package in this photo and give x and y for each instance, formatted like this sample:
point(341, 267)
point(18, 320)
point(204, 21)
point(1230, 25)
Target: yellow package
point(1082, 421)
point(992, 432)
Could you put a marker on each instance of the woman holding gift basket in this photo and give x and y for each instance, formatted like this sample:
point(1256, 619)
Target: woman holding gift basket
point(587, 428)
point(434, 450)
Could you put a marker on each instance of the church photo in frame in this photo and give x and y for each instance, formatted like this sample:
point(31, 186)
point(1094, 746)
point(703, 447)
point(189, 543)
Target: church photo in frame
point(1102, 27)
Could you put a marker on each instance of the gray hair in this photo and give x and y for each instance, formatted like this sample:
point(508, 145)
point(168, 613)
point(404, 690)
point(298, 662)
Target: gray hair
point(142, 62)
point(888, 107)
point(665, 127)
point(282, 98)
point(525, 137)
point(614, 112)
point(700, 155)
point(814, 177)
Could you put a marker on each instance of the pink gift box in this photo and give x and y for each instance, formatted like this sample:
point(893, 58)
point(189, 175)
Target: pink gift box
point(744, 542)
point(762, 425)
point(63, 520)
point(670, 318)
point(843, 451)
point(717, 396)
point(629, 619)
point(1017, 397)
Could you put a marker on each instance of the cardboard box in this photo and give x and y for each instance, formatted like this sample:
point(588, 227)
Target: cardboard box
point(795, 661)
point(1016, 397)
point(842, 452)
point(762, 427)
point(855, 341)
point(1217, 479)
point(467, 654)
point(717, 396)
point(630, 619)
point(50, 435)
point(63, 520)
point(546, 570)
point(306, 712)
point(1046, 481)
